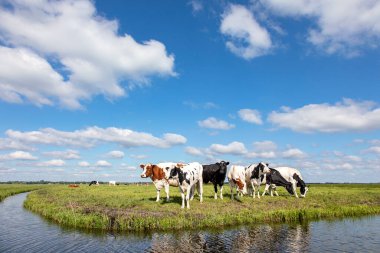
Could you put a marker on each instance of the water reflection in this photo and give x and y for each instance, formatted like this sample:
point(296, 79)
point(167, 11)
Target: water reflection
point(21, 231)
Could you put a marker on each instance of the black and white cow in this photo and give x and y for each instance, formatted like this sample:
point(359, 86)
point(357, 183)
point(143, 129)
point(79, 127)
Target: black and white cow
point(215, 173)
point(93, 183)
point(236, 179)
point(189, 176)
point(255, 175)
point(287, 177)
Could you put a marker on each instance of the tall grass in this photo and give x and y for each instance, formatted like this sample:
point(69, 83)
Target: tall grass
point(134, 208)
point(7, 190)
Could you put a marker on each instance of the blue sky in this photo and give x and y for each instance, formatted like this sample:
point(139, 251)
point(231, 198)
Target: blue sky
point(91, 89)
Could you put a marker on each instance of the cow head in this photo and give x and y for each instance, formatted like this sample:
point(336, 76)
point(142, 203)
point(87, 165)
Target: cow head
point(304, 190)
point(147, 170)
point(241, 186)
point(223, 166)
point(263, 168)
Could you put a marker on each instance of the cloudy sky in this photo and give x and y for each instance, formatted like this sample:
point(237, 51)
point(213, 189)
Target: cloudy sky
point(91, 89)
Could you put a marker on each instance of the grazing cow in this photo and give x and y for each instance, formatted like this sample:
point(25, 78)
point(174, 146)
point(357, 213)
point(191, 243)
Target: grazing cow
point(255, 174)
point(215, 173)
point(94, 183)
point(112, 183)
point(188, 176)
point(157, 174)
point(236, 178)
point(288, 177)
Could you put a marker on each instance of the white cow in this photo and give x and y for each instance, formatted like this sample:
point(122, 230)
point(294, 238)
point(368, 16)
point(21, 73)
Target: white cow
point(112, 183)
point(188, 176)
point(255, 175)
point(288, 177)
point(157, 174)
point(236, 178)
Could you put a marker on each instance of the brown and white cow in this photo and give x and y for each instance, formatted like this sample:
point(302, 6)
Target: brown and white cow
point(236, 178)
point(156, 173)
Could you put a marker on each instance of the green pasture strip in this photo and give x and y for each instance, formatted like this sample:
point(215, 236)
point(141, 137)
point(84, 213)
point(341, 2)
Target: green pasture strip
point(7, 190)
point(133, 208)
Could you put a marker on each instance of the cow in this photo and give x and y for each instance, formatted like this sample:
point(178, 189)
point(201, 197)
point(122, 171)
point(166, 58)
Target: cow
point(157, 174)
point(236, 178)
point(112, 183)
point(288, 177)
point(94, 183)
point(215, 173)
point(255, 174)
point(188, 177)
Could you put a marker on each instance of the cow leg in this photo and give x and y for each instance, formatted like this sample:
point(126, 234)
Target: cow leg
point(274, 188)
point(232, 193)
point(221, 191)
point(192, 192)
point(266, 189)
point(201, 190)
point(158, 196)
point(294, 184)
point(188, 192)
point(253, 189)
point(216, 191)
point(167, 191)
point(183, 198)
point(258, 191)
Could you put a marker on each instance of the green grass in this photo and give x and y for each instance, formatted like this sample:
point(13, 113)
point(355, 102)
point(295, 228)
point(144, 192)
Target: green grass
point(7, 190)
point(133, 208)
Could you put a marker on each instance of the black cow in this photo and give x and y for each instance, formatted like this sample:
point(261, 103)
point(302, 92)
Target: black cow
point(215, 173)
point(94, 182)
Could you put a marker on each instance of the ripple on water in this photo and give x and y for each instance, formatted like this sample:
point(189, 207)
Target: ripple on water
point(23, 231)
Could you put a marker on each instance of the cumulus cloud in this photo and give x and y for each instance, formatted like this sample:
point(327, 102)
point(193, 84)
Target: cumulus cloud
point(251, 116)
point(84, 164)
point(194, 151)
point(345, 116)
point(262, 154)
point(196, 5)
point(115, 154)
point(293, 153)
point(90, 136)
point(94, 60)
point(55, 162)
point(264, 145)
point(67, 154)
point(103, 163)
point(233, 148)
point(246, 37)
point(214, 123)
point(337, 26)
point(374, 149)
point(7, 144)
point(18, 155)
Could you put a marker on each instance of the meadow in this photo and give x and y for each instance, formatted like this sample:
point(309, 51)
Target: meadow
point(133, 208)
point(7, 190)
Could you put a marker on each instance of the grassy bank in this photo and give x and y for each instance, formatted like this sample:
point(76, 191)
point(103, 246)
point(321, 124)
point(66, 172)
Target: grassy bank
point(7, 190)
point(134, 208)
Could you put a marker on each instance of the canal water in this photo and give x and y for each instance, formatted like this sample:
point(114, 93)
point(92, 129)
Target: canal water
point(24, 231)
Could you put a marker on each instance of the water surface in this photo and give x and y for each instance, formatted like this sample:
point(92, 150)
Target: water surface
point(24, 231)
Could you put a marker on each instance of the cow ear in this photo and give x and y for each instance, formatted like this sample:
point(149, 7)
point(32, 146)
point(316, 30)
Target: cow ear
point(267, 164)
point(227, 163)
point(142, 166)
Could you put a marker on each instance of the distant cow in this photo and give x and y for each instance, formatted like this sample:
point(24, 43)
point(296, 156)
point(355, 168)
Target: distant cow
point(112, 183)
point(255, 174)
point(215, 173)
point(188, 176)
point(157, 174)
point(94, 183)
point(288, 177)
point(236, 178)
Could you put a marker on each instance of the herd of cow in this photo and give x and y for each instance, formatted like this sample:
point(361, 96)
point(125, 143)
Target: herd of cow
point(245, 180)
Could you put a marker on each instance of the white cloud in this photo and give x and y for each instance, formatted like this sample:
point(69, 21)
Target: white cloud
point(263, 154)
point(139, 157)
point(293, 153)
point(116, 154)
point(7, 144)
point(251, 116)
point(84, 164)
point(374, 149)
point(214, 123)
point(342, 26)
point(94, 57)
point(196, 5)
point(233, 148)
point(194, 151)
point(345, 116)
point(67, 154)
point(55, 162)
point(103, 163)
point(90, 136)
point(247, 38)
point(264, 145)
point(18, 155)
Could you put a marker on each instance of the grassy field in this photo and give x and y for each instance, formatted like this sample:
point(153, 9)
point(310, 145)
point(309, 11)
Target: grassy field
point(7, 190)
point(134, 208)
